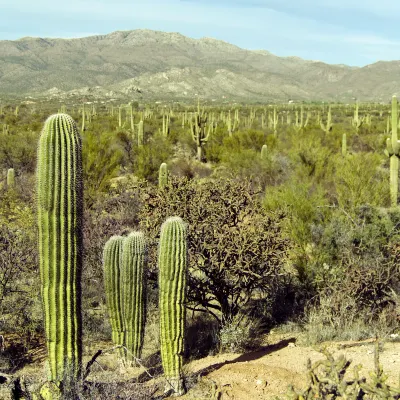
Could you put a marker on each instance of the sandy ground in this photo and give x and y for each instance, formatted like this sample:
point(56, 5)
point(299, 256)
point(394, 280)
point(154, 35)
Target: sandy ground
point(262, 374)
point(267, 373)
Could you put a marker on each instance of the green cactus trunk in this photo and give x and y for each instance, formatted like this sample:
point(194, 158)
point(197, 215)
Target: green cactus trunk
point(344, 145)
point(264, 152)
point(140, 137)
point(60, 210)
point(163, 176)
point(134, 294)
point(394, 158)
point(112, 260)
point(172, 285)
point(11, 179)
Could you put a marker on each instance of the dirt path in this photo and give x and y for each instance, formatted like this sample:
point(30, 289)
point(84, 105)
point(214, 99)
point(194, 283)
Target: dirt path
point(266, 373)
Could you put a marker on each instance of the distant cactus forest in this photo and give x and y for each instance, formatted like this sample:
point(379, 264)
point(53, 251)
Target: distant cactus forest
point(138, 239)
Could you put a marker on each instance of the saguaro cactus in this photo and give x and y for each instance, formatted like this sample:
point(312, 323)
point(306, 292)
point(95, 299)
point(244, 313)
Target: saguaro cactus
point(140, 137)
point(393, 151)
point(133, 293)
point(10, 178)
point(112, 260)
point(60, 201)
point(264, 152)
point(172, 285)
point(328, 126)
point(163, 175)
point(344, 145)
point(198, 131)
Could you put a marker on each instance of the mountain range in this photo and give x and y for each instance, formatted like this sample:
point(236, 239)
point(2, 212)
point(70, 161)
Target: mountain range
point(145, 64)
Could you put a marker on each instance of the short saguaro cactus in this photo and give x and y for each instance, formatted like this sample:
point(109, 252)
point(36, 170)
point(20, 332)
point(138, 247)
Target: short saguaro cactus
point(172, 286)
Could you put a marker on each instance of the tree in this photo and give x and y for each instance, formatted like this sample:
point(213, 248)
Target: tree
point(235, 248)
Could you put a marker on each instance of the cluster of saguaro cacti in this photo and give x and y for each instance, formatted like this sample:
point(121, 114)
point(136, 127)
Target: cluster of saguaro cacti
point(124, 261)
point(300, 123)
point(172, 285)
point(60, 210)
point(393, 151)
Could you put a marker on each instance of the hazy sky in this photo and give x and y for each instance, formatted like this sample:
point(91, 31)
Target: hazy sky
point(354, 32)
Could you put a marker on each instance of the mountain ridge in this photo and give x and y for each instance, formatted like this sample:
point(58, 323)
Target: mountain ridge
point(152, 64)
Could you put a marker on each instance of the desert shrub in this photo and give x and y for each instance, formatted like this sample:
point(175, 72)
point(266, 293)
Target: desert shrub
point(354, 264)
point(328, 379)
point(18, 151)
point(248, 164)
point(235, 248)
point(101, 156)
point(360, 179)
point(149, 157)
point(240, 332)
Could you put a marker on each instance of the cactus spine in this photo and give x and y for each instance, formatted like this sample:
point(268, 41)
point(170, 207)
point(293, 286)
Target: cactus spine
point(133, 293)
point(163, 176)
point(172, 284)
point(112, 257)
point(60, 210)
point(393, 151)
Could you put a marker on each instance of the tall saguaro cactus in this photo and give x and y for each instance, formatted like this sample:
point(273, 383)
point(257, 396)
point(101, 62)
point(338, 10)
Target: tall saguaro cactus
point(112, 259)
point(393, 151)
point(172, 285)
point(60, 210)
point(133, 293)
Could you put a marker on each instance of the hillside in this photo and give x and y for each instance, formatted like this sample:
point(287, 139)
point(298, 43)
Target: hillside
point(152, 64)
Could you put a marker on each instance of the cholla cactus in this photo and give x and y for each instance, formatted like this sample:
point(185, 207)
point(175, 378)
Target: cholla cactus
point(172, 283)
point(60, 213)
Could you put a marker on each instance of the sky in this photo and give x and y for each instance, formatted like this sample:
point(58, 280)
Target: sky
point(352, 32)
